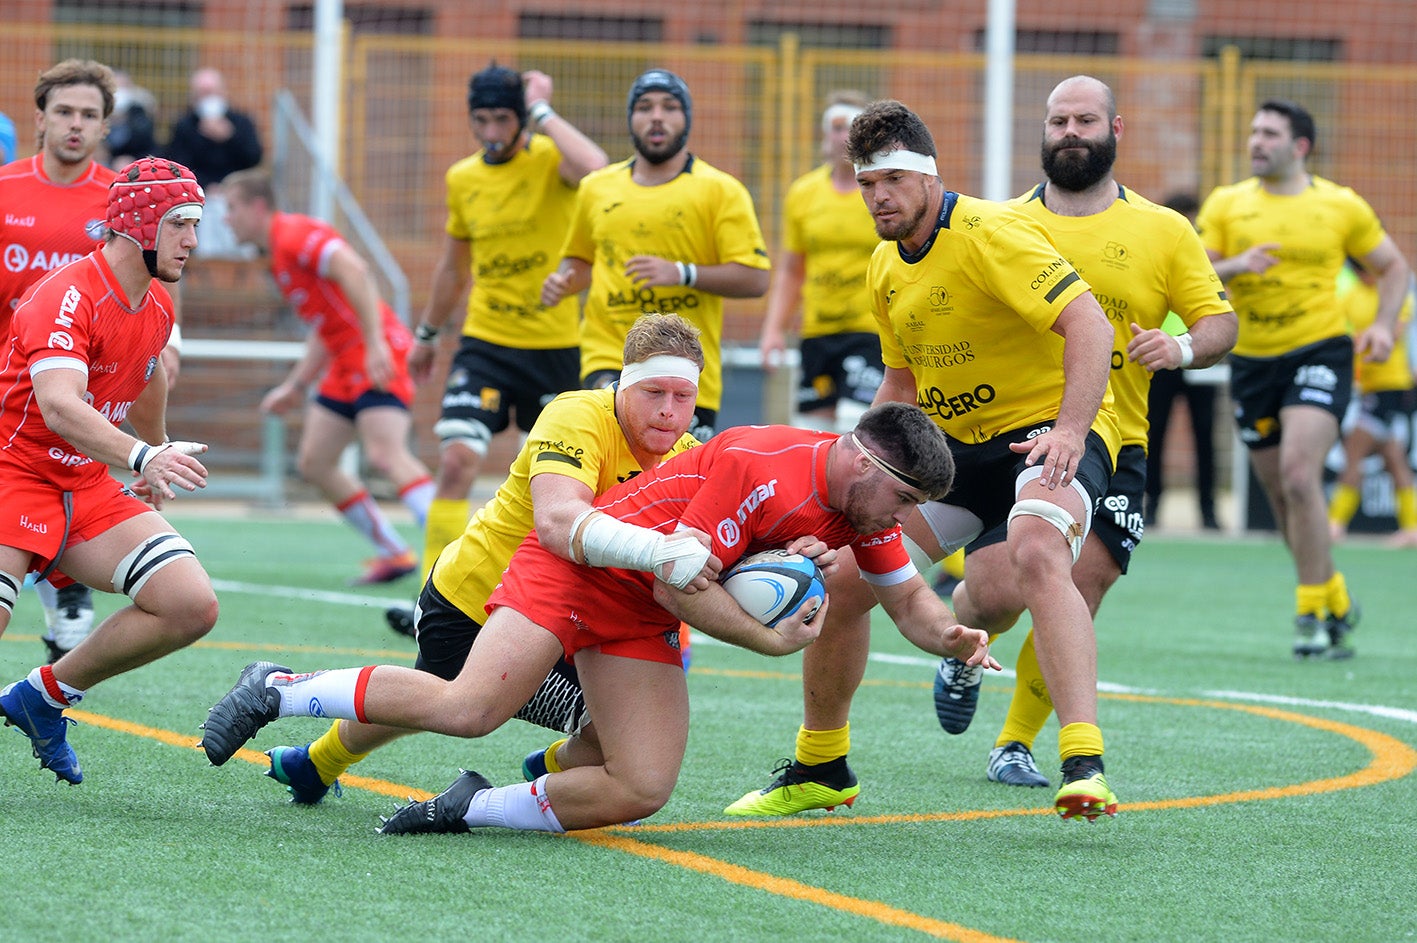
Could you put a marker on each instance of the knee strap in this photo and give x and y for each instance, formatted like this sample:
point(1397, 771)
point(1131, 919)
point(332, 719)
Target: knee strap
point(1075, 532)
point(469, 433)
point(9, 590)
point(135, 569)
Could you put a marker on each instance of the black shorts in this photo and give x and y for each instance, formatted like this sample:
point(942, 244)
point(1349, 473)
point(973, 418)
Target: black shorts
point(1117, 515)
point(1320, 374)
point(445, 636)
point(1384, 412)
point(486, 381)
point(369, 399)
point(704, 418)
point(986, 477)
point(839, 366)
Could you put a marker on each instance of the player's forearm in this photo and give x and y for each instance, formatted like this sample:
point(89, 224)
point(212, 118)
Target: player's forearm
point(1394, 282)
point(1212, 337)
point(148, 414)
point(785, 295)
point(1087, 364)
point(448, 287)
point(919, 613)
point(579, 154)
point(714, 613)
point(733, 280)
point(897, 387)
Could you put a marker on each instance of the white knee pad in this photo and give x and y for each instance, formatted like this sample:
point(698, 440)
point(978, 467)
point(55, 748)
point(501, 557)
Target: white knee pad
point(135, 569)
point(9, 590)
point(952, 525)
point(1075, 532)
point(468, 433)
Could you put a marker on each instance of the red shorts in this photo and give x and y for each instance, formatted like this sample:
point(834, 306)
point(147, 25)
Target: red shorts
point(33, 515)
point(346, 379)
point(585, 607)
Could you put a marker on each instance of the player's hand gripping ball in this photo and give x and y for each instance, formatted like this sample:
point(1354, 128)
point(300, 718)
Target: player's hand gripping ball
point(774, 584)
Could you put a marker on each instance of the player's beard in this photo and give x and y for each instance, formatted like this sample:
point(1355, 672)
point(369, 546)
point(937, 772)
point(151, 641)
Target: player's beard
point(1074, 172)
point(903, 226)
point(661, 154)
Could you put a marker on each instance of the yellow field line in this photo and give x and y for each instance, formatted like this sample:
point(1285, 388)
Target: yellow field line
point(1392, 759)
point(786, 887)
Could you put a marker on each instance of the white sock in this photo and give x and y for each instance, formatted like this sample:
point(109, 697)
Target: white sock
point(72, 695)
point(363, 514)
point(321, 693)
point(522, 806)
point(49, 599)
point(417, 496)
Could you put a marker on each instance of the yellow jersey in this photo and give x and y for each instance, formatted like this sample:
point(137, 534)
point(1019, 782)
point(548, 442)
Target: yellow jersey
point(1294, 303)
point(1142, 261)
point(1360, 307)
point(970, 316)
point(835, 235)
point(515, 215)
point(577, 435)
point(703, 215)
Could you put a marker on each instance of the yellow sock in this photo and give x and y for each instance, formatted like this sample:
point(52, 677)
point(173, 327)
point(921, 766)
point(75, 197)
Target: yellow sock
point(447, 519)
point(1343, 505)
point(1079, 740)
point(1336, 592)
point(1031, 705)
point(954, 564)
point(822, 746)
point(551, 765)
point(1406, 508)
point(1310, 599)
point(330, 756)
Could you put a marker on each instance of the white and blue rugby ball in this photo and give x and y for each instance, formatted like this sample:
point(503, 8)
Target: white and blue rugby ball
point(774, 584)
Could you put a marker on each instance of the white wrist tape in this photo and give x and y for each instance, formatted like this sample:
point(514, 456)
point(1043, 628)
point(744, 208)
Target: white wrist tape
point(1187, 354)
point(608, 541)
point(540, 111)
point(142, 454)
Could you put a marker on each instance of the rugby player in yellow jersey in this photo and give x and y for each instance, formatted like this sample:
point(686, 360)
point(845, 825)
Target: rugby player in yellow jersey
point(662, 231)
point(1000, 341)
point(1279, 240)
point(1142, 261)
point(584, 442)
point(508, 208)
point(828, 238)
point(1385, 405)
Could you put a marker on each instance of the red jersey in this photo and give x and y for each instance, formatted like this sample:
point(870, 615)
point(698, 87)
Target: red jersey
point(300, 249)
point(44, 224)
point(76, 318)
point(752, 488)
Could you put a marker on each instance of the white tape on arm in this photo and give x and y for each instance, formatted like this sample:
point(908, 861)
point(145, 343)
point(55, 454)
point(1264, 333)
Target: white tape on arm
point(1188, 355)
point(607, 541)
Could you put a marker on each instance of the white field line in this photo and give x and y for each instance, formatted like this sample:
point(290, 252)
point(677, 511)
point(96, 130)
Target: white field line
point(377, 602)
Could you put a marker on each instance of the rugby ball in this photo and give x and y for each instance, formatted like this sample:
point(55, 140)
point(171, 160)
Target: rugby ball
point(772, 585)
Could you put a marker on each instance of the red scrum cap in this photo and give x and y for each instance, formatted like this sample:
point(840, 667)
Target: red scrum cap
point(145, 193)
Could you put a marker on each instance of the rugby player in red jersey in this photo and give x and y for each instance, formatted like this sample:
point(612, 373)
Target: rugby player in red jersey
point(82, 357)
point(54, 208)
point(611, 599)
point(358, 348)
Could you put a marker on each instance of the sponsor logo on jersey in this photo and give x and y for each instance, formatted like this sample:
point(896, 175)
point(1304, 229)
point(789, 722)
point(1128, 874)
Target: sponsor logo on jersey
point(18, 259)
point(559, 451)
point(36, 526)
point(954, 354)
point(650, 302)
point(937, 402)
point(502, 265)
point(730, 529)
point(68, 459)
point(1116, 308)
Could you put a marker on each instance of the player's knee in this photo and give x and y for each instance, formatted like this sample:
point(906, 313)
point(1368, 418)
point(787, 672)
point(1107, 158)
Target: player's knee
point(9, 593)
point(457, 466)
point(1032, 547)
point(473, 435)
point(640, 793)
point(194, 617)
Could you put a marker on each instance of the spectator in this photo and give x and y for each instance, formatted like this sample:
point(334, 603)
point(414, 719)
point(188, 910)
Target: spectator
point(212, 138)
point(130, 127)
point(1166, 385)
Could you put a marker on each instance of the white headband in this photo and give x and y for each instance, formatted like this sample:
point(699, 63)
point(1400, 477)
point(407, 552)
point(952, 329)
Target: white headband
point(900, 159)
point(659, 365)
point(849, 112)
